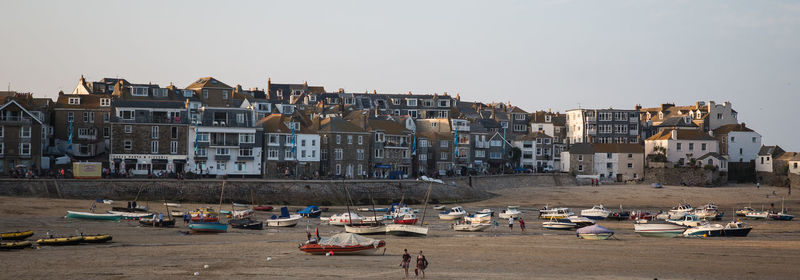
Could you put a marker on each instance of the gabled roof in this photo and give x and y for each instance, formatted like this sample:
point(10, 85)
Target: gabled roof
point(683, 134)
point(789, 156)
point(714, 155)
point(14, 102)
point(770, 150)
point(581, 148)
point(208, 82)
point(336, 124)
point(728, 128)
point(618, 148)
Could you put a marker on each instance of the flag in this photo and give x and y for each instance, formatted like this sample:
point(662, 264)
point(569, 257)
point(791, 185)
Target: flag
point(293, 142)
point(69, 140)
point(414, 146)
point(196, 136)
point(455, 143)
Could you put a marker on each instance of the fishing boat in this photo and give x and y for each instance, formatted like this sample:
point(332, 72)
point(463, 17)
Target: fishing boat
point(704, 230)
point(736, 229)
point(708, 211)
point(204, 215)
point(263, 208)
point(406, 230)
point(467, 226)
point(439, 207)
point(743, 212)
point(310, 212)
point(284, 220)
point(98, 238)
point(365, 229)
point(345, 218)
point(207, 227)
point(510, 212)
point(93, 216)
point(486, 211)
point(555, 213)
point(690, 220)
point(555, 223)
point(11, 245)
point(130, 215)
point(343, 243)
point(478, 218)
point(594, 232)
point(454, 213)
point(668, 230)
point(598, 212)
point(58, 241)
point(166, 222)
point(17, 235)
point(581, 221)
point(782, 215)
point(404, 215)
point(246, 223)
point(683, 208)
point(619, 215)
point(757, 215)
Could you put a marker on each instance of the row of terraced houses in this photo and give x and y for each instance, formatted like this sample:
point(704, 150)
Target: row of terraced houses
point(301, 131)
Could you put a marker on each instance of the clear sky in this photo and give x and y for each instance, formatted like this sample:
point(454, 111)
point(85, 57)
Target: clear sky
point(538, 55)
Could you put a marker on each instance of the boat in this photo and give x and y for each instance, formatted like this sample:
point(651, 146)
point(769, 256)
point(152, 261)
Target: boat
point(177, 214)
point(594, 232)
point(704, 230)
point(478, 218)
point(439, 207)
point(98, 238)
point(510, 212)
point(17, 235)
point(238, 214)
point(204, 215)
point(166, 222)
point(646, 229)
point(207, 227)
point(581, 221)
point(657, 185)
point(486, 211)
point(342, 243)
point(373, 219)
point(643, 215)
point(454, 213)
point(555, 213)
point(104, 201)
point(598, 212)
point(246, 223)
point(263, 208)
point(225, 212)
point(468, 226)
point(404, 215)
point(11, 245)
point(93, 216)
point(138, 208)
point(310, 212)
point(689, 220)
point(364, 229)
point(555, 223)
point(708, 211)
point(367, 209)
point(173, 205)
point(757, 215)
point(345, 218)
point(736, 229)
point(284, 220)
point(683, 208)
point(58, 241)
point(743, 212)
point(243, 205)
point(619, 215)
point(130, 215)
point(782, 215)
point(406, 230)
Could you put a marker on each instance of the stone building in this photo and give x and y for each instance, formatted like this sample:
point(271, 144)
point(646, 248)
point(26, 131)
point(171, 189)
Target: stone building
point(291, 147)
point(345, 150)
point(602, 126)
point(81, 122)
point(21, 135)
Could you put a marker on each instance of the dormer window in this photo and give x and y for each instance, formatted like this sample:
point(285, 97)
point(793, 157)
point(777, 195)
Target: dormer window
point(105, 102)
point(411, 102)
point(297, 92)
point(519, 117)
point(312, 98)
point(428, 103)
point(139, 91)
point(74, 101)
point(548, 118)
point(444, 103)
point(160, 92)
point(396, 101)
point(187, 93)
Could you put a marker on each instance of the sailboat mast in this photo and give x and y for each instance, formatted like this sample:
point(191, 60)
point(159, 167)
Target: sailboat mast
point(349, 214)
point(220, 196)
point(425, 208)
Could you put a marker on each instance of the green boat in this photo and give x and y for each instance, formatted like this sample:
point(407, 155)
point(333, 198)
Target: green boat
point(92, 216)
point(209, 227)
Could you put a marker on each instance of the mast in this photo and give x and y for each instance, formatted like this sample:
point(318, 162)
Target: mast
point(374, 215)
point(220, 196)
point(349, 214)
point(425, 208)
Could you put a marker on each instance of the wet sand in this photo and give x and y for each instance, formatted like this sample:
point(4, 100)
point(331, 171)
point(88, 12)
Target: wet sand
point(770, 252)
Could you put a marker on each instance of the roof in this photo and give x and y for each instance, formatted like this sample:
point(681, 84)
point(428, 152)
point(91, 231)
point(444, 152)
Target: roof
point(336, 124)
point(715, 155)
point(770, 150)
point(618, 148)
point(12, 101)
point(207, 82)
point(682, 134)
point(581, 148)
point(789, 156)
point(676, 122)
point(728, 128)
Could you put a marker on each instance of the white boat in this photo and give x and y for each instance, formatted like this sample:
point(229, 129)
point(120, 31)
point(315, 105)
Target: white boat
point(743, 212)
point(658, 229)
point(684, 208)
point(486, 211)
point(406, 230)
point(471, 226)
point(594, 232)
point(366, 229)
point(510, 212)
point(130, 215)
point(176, 213)
point(372, 219)
point(241, 205)
point(581, 221)
point(284, 220)
point(705, 230)
point(690, 220)
point(345, 218)
point(598, 212)
point(555, 213)
point(708, 211)
point(478, 218)
point(170, 204)
point(454, 213)
point(238, 214)
point(757, 214)
point(439, 207)
point(554, 223)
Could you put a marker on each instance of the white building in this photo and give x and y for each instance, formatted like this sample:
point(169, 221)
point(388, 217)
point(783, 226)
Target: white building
point(738, 142)
point(682, 145)
point(766, 158)
point(527, 145)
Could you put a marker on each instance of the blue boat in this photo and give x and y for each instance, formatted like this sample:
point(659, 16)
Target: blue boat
point(311, 211)
point(208, 227)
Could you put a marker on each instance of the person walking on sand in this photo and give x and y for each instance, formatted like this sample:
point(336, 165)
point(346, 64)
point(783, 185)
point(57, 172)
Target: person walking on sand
point(758, 185)
point(406, 262)
point(422, 264)
point(521, 224)
point(510, 223)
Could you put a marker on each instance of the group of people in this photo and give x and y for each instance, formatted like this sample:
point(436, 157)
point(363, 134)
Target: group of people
point(422, 263)
point(511, 223)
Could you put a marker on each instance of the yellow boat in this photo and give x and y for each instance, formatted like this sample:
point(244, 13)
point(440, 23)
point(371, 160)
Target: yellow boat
point(100, 238)
point(16, 235)
point(72, 240)
point(15, 245)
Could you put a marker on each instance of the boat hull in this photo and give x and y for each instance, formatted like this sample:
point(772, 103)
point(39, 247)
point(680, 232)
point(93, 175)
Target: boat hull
point(558, 225)
point(405, 222)
point(285, 222)
point(59, 241)
point(365, 230)
point(595, 236)
point(781, 217)
point(97, 238)
point(207, 228)
point(92, 216)
point(317, 249)
point(736, 232)
point(406, 230)
point(703, 233)
point(20, 235)
point(471, 227)
point(449, 217)
point(659, 230)
point(15, 245)
point(162, 223)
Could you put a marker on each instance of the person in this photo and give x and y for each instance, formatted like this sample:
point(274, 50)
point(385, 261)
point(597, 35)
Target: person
point(422, 264)
point(758, 185)
point(406, 261)
point(521, 224)
point(510, 223)
point(94, 206)
point(186, 218)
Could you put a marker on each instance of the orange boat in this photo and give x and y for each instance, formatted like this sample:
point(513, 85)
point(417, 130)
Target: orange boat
point(204, 215)
point(343, 243)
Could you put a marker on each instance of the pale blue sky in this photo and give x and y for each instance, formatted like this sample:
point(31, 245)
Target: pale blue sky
point(539, 55)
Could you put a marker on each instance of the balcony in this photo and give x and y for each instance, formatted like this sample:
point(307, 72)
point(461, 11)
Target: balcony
point(392, 144)
point(158, 118)
point(15, 120)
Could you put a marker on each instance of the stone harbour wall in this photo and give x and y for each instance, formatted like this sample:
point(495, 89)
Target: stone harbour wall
point(690, 176)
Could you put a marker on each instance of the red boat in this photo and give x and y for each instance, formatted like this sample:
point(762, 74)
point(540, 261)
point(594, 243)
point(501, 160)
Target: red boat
point(263, 208)
point(343, 243)
point(405, 221)
point(643, 215)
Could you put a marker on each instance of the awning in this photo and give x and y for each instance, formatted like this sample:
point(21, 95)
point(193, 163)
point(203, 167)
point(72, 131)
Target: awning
point(383, 166)
point(130, 161)
point(159, 161)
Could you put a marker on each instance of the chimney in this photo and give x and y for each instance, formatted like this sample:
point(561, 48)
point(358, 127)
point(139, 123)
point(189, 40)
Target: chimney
point(445, 93)
point(674, 134)
point(409, 93)
point(341, 90)
point(374, 91)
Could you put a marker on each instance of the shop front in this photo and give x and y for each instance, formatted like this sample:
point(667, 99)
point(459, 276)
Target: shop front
point(157, 165)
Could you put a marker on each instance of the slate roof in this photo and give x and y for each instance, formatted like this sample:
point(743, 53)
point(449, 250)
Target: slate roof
point(712, 154)
point(581, 148)
point(770, 150)
point(728, 128)
point(618, 148)
point(683, 134)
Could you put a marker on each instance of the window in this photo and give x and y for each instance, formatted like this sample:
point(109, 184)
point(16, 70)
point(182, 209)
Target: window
point(313, 142)
point(411, 102)
point(378, 153)
point(70, 116)
point(337, 154)
point(423, 143)
point(691, 146)
point(703, 146)
point(205, 94)
point(405, 153)
point(154, 132)
point(2, 148)
point(443, 143)
point(241, 166)
point(519, 127)
point(423, 157)
point(444, 103)
point(480, 154)
point(630, 165)
point(338, 169)
point(128, 129)
point(240, 118)
point(245, 152)
point(139, 91)
point(379, 137)
point(609, 165)
point(580, 167)
point(495, 155)
point(349, 139)
point(25, 132)
point(495, 143)
point(273, 139)
point(608, 155)
point(412, 113)
point(106, 116)
point(272, 154)
point(580, 157)
point(247, 138)
point(224, 95)
point(105, 102)
point(754, 139)
point(86, 117)
point(25, 149)
point(719, 116)
point(221, 166)
point(223, 152)
point(678, 146)
point(324, 154)
point(202, 153)
point(740, 151)
point(127, 114)
point(443, 156)
point(338, 139)
point(174, 132)
point(154, 147)
point(733, 139)
point(203, 137)
point(173, 147)
point(360, 154)
point(303, 153)
point(74, 101)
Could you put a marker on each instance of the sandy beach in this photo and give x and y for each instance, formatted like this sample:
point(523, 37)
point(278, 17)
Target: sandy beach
point(770, 252)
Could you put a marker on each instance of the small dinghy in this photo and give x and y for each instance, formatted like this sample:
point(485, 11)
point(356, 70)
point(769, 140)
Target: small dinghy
point(131, 215)
point(510, 212)
point(645, 229)
point(176, 213)
point(12, 245)
point(310, 212)
point(150, 222)
point(284, 220)
point(208, 227)
point(486, 211)
point(246, 223)
point(594, 232)
point(92, 216)
point(581, 221)
point(98, 238)
point(478, 218)
point(343, 243)
point(439, 207)
point(18, 235)
point(59, 241)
